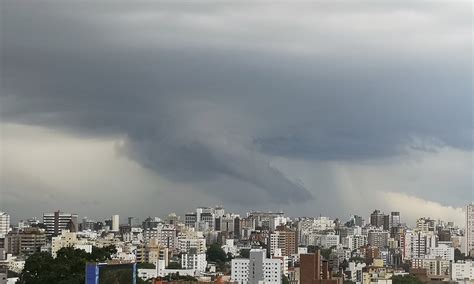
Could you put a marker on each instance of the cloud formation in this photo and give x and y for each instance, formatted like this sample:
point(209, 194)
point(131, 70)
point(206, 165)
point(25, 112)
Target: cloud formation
point(210, 94)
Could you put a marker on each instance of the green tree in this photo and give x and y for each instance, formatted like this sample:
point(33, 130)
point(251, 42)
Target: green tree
point(357, 259)
point(326, 253)
point(216, 254)
point(104, 253)
point(245, 253)
point(67, 268)
point(344, 265)
point(174, 265)
point(406, 279)
point(406, 265)
point(146, 265)
point(312, 249)
point(284, 279)
point(39, 268)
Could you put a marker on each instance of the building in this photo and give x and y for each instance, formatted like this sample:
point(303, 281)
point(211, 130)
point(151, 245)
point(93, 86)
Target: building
point(425, 225)
point(442, 251)
point(188, 242)
point(378, 238)
point(4, 224)
point(377, 218)
point(58, 221)
point(417, 244)
point(151, 223)
point(285, 239)
point(68, 239)
point(204, 218)
point(462, 271)
point(354, 241)
point(263, 220)
point(230, 247)
point(469, 233)
point(354, 272)
point(315, 271)
point(25, 242)
point(152, 252)
point(435, 268)
point(328, 241)
point(377, 275)
point(395, 220)
point(355, 220)
point(256, 269)
point(194, 261)
point(167, 236)
point(115, 223)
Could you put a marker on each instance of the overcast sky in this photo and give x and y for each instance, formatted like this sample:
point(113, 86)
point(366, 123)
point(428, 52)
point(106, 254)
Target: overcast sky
point(328, 107)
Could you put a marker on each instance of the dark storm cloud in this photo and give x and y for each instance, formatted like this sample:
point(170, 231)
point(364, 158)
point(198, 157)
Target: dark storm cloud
point(200, 92)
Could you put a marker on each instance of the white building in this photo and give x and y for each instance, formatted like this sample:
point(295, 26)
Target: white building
point(278, 221)
point(14, 264)
point(462, 271)
point(186, 242)
point(67, 239)
point(354, 272)
point(418, 244)
point(115, 223)
point(257, 269)
point(442, 251)
point(230, 247)
point(354, 242)
point(194, 261)
point(4, 224)
point(147, 273)
point(469, 233)
point(161, 271)
point(327, 241)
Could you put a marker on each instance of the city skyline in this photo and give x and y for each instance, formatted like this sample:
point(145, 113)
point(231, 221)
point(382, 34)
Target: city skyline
point(124, 218)
point(308, 108)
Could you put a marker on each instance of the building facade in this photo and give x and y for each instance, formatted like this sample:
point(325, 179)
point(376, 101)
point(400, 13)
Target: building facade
point(256, 269)
point(469, 233)
point(58, 221)
point(4, 224)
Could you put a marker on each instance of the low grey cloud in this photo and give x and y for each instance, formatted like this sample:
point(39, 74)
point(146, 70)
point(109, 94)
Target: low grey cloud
point(203, 92)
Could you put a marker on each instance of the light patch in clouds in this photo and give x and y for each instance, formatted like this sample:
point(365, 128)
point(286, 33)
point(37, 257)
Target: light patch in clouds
point(417, 178)
point(42, 170)
point(414, 206)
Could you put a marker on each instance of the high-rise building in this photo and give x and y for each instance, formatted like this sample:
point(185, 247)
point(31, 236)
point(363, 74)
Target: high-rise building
point(417, 244)
point(355, 221)
point(115, 223)
point(315, 271)
point(377, 218)
point(378, 238)
point(194, 261)
point(386, 222)
point(25, 242)
point(151, 223)
point(204, 218)
point(425, 225)
point(58, 221)
point(256, 269)
point(469, 232)
point(285, 239)
point(395, 220)
point(4, 224)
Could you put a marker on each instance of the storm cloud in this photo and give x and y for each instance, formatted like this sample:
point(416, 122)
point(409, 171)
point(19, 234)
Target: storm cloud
point(200, 92)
